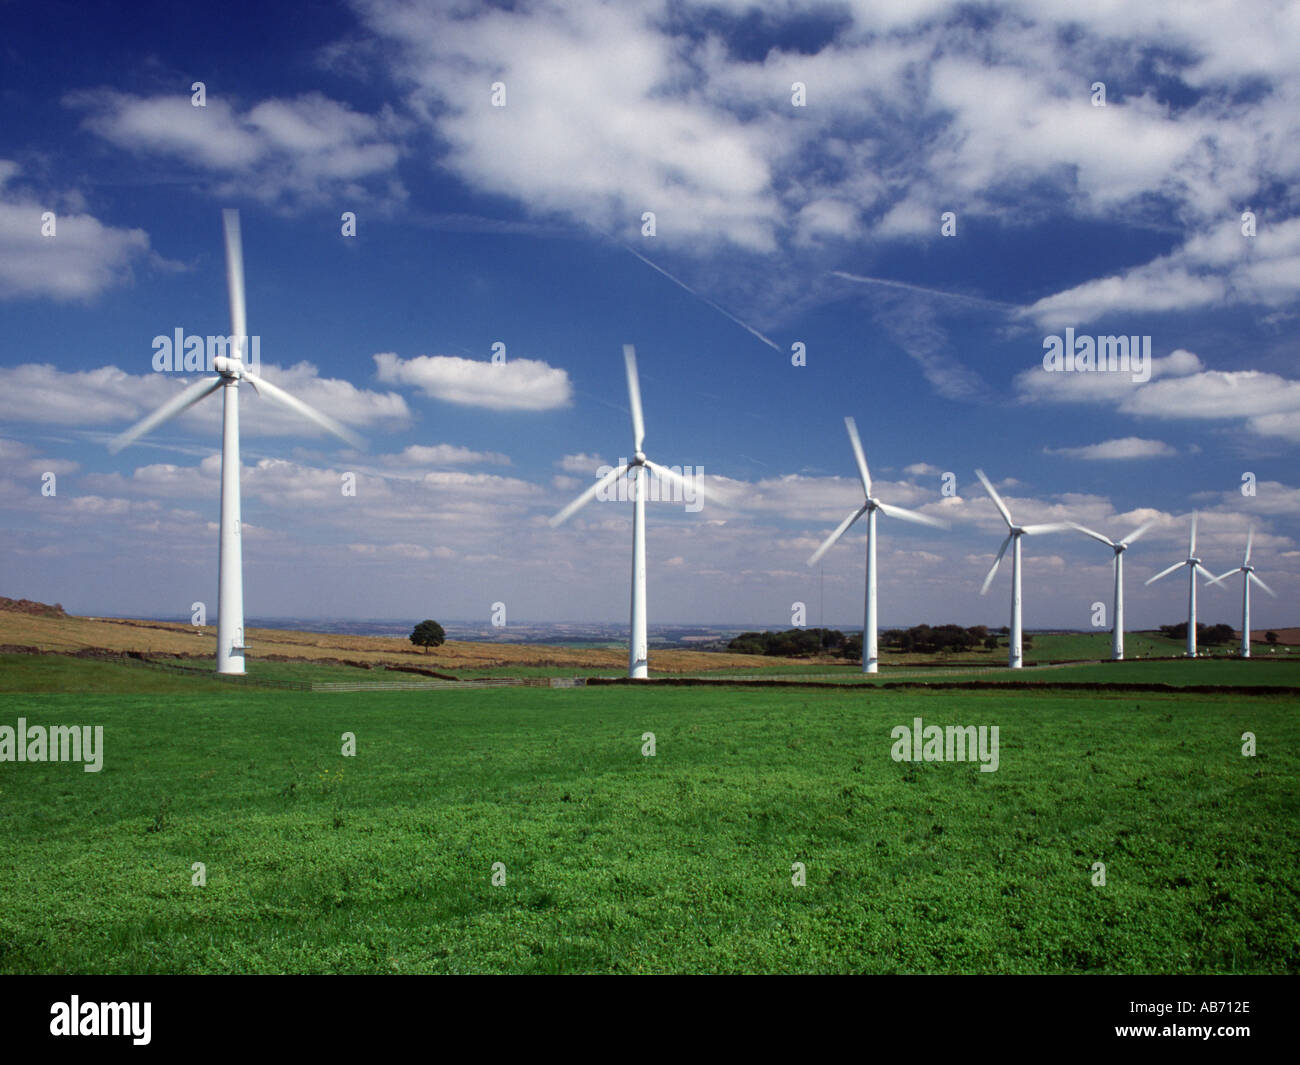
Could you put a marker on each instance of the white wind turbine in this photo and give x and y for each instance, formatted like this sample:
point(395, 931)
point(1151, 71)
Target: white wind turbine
point(1014, 533)
point(638, 666)
point(230, 371)
point(870, 657)
point(1194, 567)
point(1117, 631)
point(1247, 572)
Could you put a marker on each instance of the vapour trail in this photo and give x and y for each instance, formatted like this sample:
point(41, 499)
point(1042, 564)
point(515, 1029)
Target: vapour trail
point(721, 310)
point(978, 301)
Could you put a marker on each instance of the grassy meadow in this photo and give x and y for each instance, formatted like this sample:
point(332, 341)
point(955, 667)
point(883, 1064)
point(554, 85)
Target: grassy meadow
point(618, 862)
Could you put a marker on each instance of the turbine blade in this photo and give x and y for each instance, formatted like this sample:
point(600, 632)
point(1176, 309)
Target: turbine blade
point(588, 495)
point(1252, 577)
point(1250, 539)
point(275, 392)
point(912, 515)
point(1141, 530)
point(1222, 576)
point(1165, 572)
point(235, 278)
point(1088, 532)
point(996, 563)
point(1191, 544)
point(634, 396)
point(840, 530)
point(997, 499)
point(864, 475)
point(186, 398)
point(1206, 574)
point(1046, 527)
point(676, 478)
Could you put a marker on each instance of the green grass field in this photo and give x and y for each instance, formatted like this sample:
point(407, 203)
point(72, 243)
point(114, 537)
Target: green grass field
point(616, 862)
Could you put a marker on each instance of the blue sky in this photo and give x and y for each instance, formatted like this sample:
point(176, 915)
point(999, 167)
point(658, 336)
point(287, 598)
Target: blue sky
point(775, 225)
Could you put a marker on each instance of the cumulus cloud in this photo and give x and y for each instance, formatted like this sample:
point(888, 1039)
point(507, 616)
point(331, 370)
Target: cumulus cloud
point(685, 109)
point(1128, 447)
point(517, 384)
point(907, 106)
point(1218, 265)
point(447, 455)
point(18, 457)
point(291, 153)
point(83, 258)
point(581, 463)
point(37, 393)
point(1180, 387)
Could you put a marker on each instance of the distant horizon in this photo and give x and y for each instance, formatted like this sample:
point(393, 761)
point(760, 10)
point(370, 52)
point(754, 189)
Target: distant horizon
point(259, 622)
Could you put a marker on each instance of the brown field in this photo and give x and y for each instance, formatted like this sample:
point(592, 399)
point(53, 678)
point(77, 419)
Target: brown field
point(1284, 636)
point(70, 634)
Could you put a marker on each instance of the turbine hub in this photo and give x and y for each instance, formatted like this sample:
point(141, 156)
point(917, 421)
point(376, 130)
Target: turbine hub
point(638, 459)
point(228, 367)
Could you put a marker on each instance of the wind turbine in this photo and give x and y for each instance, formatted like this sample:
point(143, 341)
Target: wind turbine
point(1117, 632)
point(1247, 572)
point(1014, 533)
point(870, 658)
point(1194, 567)
point(638, 666)
point(230, 371)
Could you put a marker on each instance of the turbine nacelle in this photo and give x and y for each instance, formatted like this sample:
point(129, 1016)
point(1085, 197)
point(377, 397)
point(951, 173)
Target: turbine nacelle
point(639, 459)
point(229, 367)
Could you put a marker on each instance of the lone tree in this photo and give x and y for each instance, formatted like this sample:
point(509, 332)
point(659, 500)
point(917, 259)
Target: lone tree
point(1270, 636)
point(428, 634)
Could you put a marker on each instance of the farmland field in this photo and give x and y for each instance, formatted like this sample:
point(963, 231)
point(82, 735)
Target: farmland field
point(614, 861)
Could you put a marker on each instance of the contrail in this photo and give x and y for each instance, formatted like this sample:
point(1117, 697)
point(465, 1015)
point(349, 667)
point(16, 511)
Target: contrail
point(976, 300)
point(721, 310)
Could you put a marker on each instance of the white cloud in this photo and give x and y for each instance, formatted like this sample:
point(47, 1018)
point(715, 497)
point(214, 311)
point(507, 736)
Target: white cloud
point(1180, 387)
point(285, 152)
point(1039, 384)
point(1128, 447)
point(83, 258)
point(517, 384)
point(1216, 266)
point(17, 457)
point(613, 110)
point(37, 393)
point(401, 552)
point(581, 463)
point(1158, 287)
point(447, 455)
point(599, 125)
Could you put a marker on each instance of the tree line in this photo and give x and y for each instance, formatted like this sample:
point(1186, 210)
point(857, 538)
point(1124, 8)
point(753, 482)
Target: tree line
point(1209, 635)
point(919, 639)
